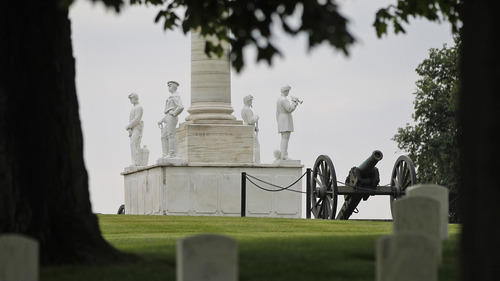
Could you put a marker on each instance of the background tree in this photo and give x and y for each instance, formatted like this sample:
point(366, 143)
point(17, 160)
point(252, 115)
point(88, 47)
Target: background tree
point(432, 142)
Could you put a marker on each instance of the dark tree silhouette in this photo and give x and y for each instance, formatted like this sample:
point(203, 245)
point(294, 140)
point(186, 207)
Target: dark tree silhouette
point(43, 181)
point(479, 116)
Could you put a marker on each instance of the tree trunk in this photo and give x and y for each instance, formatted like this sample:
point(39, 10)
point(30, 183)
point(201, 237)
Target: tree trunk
point(479, 119)
point(43, 182)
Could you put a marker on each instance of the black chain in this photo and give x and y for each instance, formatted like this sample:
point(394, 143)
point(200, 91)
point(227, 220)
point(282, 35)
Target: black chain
point(248, 176)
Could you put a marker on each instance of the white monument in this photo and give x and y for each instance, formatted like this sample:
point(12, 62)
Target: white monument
point(284, 109)
point(216, 149)
point(211, 134)
point(168, 124)
point(134, 128)
point(252, 120)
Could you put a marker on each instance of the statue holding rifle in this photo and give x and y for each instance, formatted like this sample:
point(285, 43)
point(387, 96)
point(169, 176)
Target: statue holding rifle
point(173, 107)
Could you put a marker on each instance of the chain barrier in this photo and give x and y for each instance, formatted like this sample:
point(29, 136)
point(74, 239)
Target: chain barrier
point(246, 177)
point(249, 177)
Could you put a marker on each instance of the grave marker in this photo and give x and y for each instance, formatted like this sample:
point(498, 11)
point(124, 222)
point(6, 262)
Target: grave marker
point(418, 215)
point(207, 257)
point(409, 257)
point(18, 258)
point(438, 193)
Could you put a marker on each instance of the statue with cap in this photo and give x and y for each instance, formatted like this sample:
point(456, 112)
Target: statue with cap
point(252, 120)
point(135, 128)
point(173, 107)
point(284, 109)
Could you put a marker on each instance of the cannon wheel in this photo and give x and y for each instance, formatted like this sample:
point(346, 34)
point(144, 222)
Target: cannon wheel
point(324, 189)
point(403, 176)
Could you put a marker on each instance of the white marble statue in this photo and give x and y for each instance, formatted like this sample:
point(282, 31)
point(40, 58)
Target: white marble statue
point(284, 109)
point(173, 107)
point(134, 129)
point(250, 119)
point(277, 156)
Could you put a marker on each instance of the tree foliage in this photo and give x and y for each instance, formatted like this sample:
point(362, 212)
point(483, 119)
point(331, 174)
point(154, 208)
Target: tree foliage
point(432, 141)
point(433, 10)
point(251, 23)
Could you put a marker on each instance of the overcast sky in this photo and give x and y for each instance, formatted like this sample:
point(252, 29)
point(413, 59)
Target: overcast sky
point(352, 105)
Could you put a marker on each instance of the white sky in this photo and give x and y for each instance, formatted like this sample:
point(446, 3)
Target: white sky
point(352, 105)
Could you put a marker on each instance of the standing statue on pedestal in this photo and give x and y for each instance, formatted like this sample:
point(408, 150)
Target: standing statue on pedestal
point(173, 107)
point(134, 129)
point(284, 109)
point(253, 120)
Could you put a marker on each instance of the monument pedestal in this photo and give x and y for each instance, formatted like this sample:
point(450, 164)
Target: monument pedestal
point(215, 190)
point(220, 142)
point(169, 161)
point(215, 149)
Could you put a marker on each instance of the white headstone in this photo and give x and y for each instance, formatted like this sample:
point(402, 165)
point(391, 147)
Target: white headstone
point(18, 258)
point(207, 257)
point(408, 257)
point(438, 193)
point(418, 215)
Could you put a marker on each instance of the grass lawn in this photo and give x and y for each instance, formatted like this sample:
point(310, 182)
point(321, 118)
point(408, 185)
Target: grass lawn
point(268, 249)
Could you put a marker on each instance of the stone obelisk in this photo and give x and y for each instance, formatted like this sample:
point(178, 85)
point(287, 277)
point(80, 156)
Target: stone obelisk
point(211, 134)
point(210, 85)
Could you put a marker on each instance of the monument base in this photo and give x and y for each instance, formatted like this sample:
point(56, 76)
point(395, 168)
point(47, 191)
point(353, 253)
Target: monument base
point(215, 143)
point(131, 169)
point(215, 190)
point(170, 160)
point(281, 162)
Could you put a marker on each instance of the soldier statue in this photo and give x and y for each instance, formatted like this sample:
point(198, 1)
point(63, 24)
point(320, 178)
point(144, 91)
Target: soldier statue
point(173, 107)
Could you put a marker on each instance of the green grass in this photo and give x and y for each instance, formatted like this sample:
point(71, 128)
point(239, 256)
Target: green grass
point(268, 249)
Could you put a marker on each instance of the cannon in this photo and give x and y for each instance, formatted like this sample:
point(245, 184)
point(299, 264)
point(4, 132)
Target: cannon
point(361, 183)
point(366, 174)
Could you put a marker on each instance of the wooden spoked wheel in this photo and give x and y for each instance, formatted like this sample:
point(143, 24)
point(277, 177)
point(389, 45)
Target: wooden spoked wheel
point(324, 189)
point(403, 176)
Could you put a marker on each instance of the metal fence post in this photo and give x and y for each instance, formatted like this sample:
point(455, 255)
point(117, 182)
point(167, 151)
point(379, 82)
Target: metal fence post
point(243, 193)
point(308, 193)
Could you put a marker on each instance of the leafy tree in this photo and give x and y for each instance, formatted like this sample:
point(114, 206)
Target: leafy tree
point(432, 142)
point(251, 23)
point(433, 10)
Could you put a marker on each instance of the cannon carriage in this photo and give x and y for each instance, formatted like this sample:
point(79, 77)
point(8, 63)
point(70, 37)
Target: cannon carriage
point(361, 183)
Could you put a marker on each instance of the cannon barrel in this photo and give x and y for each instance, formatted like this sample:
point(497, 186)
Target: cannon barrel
point(366, 174)
point(367, 166)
